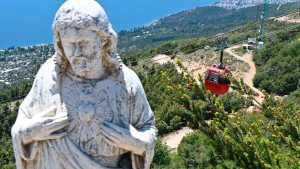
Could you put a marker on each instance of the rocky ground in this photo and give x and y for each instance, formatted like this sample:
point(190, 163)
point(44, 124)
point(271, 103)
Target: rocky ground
point(291, 18)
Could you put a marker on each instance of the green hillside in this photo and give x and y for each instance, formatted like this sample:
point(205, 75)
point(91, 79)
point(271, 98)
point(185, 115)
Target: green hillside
point(199, 22)
point(185, 46)
point(279, 65)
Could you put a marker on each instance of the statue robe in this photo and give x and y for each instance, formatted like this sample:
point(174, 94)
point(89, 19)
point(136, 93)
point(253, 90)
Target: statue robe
point(117, 99)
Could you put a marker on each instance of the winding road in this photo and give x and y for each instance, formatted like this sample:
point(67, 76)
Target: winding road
point(248, 76)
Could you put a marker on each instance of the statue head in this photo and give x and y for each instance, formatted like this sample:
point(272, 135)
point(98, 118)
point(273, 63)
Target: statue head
point(84, 40)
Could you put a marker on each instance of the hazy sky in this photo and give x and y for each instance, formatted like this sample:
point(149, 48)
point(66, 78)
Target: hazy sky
point(25, 22)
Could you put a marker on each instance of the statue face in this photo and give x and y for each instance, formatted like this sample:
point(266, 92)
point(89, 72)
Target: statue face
point(83, 50)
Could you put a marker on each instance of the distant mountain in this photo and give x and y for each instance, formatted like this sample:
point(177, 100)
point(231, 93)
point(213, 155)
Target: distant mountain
point(199, 22)
point(238, 4)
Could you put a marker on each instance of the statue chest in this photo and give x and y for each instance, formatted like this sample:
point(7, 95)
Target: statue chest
point(105, 100)
point(88, 105)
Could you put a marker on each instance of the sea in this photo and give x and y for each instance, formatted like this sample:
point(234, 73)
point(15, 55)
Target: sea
point(29, 22)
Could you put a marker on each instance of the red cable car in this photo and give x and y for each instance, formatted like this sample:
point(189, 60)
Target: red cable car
point(217, 77)
point(217, 80)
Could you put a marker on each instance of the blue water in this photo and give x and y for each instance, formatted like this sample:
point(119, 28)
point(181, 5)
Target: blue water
point(27, 22)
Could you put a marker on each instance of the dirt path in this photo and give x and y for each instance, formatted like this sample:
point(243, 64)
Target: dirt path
point(161, 59)
point(291, 18)
point(172, 140)
point(249, 76)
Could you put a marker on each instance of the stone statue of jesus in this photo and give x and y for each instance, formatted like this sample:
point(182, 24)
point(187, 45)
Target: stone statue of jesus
point(86, 110)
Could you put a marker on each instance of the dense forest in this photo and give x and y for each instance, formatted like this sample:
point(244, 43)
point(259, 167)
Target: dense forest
point(226, 135)
point(8, 114)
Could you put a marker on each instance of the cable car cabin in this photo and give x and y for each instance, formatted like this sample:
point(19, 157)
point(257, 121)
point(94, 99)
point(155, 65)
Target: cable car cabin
point(217, 80)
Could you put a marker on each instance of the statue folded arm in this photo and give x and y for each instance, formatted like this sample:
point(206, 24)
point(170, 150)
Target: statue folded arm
point(24, 147)
point(139, 138)
point(144, 122)
point(37, 119)
point(23, 151)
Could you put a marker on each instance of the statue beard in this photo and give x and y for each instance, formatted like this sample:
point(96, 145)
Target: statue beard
point(86, 68)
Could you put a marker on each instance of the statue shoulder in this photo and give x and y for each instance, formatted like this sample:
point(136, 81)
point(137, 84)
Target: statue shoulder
point(130, 77)
point(43, 87)
point(49, 68)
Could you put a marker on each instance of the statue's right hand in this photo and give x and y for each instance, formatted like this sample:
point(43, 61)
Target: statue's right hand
point(45, 128)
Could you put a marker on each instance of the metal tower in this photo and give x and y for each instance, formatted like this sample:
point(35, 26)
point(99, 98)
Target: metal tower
point(263, 18)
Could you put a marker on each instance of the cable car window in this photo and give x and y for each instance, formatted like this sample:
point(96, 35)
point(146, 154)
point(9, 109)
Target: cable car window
point(213, 77)
point(224, 80)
